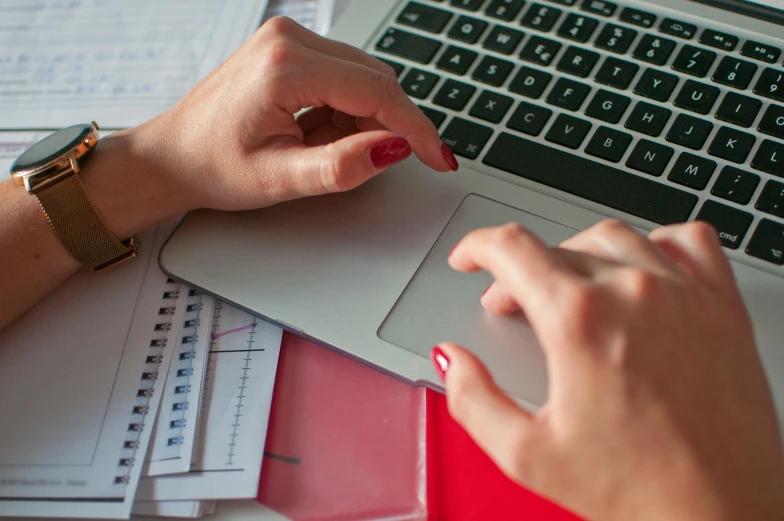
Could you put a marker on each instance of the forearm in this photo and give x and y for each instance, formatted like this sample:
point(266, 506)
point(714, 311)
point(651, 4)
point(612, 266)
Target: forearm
point(125, 184)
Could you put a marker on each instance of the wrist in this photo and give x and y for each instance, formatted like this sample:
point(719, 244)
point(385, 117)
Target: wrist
point(127, 182)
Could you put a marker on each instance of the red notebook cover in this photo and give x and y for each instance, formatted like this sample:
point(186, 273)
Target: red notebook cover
point(349, 443)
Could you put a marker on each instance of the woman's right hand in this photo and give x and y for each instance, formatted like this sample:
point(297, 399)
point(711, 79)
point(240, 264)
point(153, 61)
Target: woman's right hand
point(658, 405)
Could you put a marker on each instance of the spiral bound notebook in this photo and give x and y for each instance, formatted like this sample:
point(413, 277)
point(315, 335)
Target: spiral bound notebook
point(172, 447)
point(80, 389)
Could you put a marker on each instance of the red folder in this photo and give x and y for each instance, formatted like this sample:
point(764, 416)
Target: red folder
point(349, 443)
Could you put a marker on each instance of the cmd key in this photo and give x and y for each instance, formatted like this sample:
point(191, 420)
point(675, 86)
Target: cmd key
point(590, 180)
point(408, 45)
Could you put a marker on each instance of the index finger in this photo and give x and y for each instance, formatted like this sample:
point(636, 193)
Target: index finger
point(361, 91)
point(518, 260)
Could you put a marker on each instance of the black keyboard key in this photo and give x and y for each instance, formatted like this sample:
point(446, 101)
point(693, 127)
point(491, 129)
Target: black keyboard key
point(723, 41)
point(607, 106)
point(609, 144)
point(692, 171)
point(772, 122)
point(529, 118)
point(637, 17)
point(568, 94)
point(615, 38)
point(771, 200)
point(504, 10)
point(689, 131)
point(738, 110)
point(732, 224)
point(732, 145)
point(760, 51)
point(697, 97)
point(492, 71)
point(734, 72)
point(540, 17)
point(530, 82)
point(568, 131)
point(407, 45)
point(578, 28)
point(395, 65)
point(436, 116)
point(735, 185)
point(679, 29)
point(648, 119)
point(767, 243)
point(599, 7)
point(577, 61)
point(418, 84)
point(769, 158)
point(454, 95)
point(656, 85)
point(467, 29)
point(466, 138)
point(694, 61)
point(617, 73)
point(468, 5)
point(424, 17)
point(491, 106)
point(597, 182)
point(567, 3)
point(653, 49)
point(771, 84)
point(540, 50)
point(456, 60)
point(503, 40)
point(649, 157)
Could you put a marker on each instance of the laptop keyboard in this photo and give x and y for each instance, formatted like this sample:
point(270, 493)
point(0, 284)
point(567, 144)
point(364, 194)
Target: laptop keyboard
point(643, 113)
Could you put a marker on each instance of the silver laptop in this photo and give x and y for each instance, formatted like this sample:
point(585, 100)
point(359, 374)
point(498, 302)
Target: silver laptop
point(563, 113)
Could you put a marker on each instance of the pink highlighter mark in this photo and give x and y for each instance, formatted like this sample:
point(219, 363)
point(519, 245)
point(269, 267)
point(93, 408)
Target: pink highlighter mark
point(216, 336)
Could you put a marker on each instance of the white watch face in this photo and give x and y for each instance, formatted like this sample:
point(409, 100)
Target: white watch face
point(51, 147)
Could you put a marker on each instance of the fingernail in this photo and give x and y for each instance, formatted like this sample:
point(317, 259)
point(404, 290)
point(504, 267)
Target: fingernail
point(485, 291)
point(390, 151)
point(440, 361)
point(449, 157)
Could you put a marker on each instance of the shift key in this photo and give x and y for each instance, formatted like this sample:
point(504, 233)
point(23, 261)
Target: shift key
point(408, 45)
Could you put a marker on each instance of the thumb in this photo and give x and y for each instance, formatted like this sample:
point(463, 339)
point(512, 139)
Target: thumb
point(495, 422)
point(346, 163)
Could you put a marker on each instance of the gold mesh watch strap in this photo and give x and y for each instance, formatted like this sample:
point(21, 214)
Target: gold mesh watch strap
point(79, 228)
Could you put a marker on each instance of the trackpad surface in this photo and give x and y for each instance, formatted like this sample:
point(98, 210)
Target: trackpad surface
point(440, 304)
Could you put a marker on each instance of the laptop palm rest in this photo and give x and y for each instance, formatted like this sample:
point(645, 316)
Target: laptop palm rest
point(440, 304)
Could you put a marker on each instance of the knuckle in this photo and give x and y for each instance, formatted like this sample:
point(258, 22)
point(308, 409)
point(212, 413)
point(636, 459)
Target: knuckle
point(387, 69)
point(507, 233)
point(387, 87)
point(702, 234)
point(610, 227)
point(280, 54)
point(332, 171)
point(279, 26)
point(639, 283)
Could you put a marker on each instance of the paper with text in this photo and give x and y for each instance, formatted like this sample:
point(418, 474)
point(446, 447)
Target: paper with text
point(112, 61)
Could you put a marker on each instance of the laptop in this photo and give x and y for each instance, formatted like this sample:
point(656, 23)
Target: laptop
point(562, 113)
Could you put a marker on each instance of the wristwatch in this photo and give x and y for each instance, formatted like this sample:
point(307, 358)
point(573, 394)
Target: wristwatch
point(48, 170)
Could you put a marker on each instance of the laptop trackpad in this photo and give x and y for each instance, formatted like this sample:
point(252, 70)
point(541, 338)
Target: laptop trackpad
point(440, 304)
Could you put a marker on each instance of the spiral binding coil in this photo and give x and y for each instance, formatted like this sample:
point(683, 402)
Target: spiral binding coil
point(147, 381)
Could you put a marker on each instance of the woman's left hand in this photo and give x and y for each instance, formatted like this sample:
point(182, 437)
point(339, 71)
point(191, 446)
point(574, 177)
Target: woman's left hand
point(233, 142)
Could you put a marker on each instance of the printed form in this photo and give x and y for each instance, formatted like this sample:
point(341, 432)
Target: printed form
point(115, 62)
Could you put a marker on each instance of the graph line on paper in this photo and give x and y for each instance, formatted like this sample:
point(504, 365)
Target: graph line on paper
point(216, 336)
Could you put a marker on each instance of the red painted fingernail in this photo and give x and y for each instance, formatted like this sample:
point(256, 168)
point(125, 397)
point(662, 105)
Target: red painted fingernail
point(390, 151)
point(449, 157)
point(485, 291)
point(440, 361)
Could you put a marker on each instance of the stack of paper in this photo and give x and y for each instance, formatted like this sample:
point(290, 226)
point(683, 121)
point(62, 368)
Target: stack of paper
point(124, 391)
